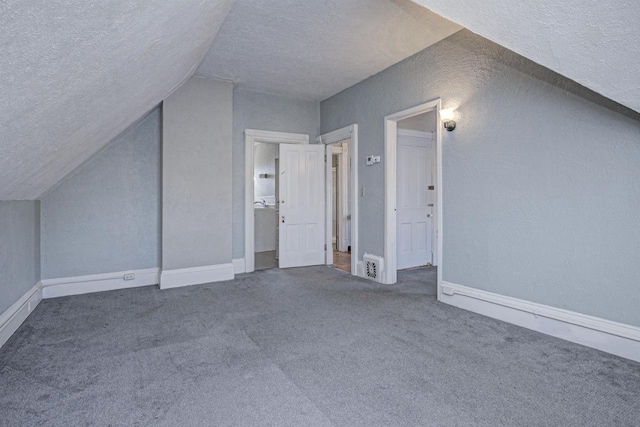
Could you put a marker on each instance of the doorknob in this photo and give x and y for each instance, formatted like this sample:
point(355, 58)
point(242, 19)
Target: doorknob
point(283, 219)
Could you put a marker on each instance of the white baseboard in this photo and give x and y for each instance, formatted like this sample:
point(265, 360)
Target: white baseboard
point(15, 315)
point(239, 266)
point(52, 288)
point(196, 275)
point(606, 335)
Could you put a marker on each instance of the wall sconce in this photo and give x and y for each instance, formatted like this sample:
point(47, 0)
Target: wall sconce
point(447, 119)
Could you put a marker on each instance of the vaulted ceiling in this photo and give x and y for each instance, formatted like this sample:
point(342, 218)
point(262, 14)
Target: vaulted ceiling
point(595, 43)
point(74, 74)
point(310, 49)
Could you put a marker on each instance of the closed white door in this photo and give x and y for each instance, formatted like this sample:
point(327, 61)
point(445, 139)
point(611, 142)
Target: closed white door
point(302, 209)
point(414, 201)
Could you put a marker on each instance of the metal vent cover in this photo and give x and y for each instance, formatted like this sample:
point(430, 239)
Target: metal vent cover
point(373, 267)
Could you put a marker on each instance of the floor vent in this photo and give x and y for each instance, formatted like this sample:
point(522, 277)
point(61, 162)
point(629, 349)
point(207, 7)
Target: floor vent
point(372, 267)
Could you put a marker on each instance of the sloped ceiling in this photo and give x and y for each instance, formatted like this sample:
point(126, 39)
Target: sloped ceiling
point(310, 49)
point(74, 74)
point(593, 43)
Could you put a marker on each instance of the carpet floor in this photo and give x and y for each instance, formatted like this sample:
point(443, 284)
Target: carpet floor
point(300, 347)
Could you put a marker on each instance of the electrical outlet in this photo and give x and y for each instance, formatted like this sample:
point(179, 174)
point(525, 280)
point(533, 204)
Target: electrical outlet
point(129, 276)
point(370, 160)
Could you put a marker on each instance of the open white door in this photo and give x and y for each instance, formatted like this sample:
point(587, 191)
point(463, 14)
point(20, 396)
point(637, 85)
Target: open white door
point(302, 205)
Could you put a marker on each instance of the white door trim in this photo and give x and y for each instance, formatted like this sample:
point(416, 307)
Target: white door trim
point(252, 136)
point(350, 133)
point(390, 273)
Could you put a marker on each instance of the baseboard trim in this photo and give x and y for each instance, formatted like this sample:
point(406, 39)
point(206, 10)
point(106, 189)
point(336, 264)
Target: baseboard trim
point(196, 275)
point(606, 335)
point(53, 288)
point(239, 266)
point(15, 315)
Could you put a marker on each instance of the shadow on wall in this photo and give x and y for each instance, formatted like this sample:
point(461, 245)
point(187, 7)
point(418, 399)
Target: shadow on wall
point(481, 46)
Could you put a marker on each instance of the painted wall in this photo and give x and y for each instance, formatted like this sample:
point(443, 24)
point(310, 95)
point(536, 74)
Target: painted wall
point(105, 216)
point(19, 250)
point(541, 193)
point(196, 175)
point(264, 112)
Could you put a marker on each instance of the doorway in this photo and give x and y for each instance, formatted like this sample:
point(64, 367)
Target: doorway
point(341, 175)
point(266, 183)
point(413, 190)
point(295, 199)
point(340, 204)
point(415, 200)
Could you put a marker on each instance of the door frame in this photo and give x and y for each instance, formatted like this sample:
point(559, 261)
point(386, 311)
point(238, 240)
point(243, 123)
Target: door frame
point(350, 133)
point(390, 272)
point(251, 137)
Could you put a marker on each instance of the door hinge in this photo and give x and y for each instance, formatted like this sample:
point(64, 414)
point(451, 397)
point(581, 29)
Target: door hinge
point(325, 246)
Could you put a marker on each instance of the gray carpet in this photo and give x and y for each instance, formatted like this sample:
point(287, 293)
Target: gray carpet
point(300, 347)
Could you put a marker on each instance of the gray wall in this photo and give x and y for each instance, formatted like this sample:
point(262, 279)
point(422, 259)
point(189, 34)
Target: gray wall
point(19, 250)
point(196, 174)
point(264, 112)
point(541, 187)
point(105, 217)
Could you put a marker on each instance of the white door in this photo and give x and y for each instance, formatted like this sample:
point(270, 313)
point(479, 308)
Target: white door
point(415, 201)
point(302, 210)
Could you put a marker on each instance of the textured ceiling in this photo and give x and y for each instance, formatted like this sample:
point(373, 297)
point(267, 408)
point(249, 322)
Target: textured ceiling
point(74, 74)
point(312, 49)
point(595, 43)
